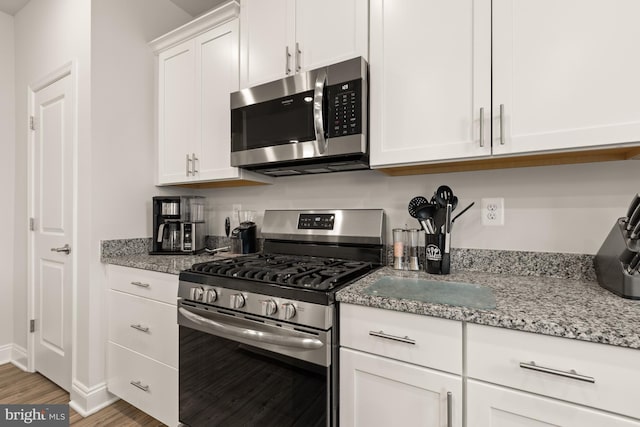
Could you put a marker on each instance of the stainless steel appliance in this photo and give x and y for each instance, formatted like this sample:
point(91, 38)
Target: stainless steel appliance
point(259, 333)
point(312, 122)
point(178, 225)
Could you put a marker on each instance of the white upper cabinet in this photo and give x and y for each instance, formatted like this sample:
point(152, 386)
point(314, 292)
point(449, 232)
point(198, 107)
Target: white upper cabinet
point(430, 68)
point(548, 76)
point(566, 74)
point(282, 37)
point(197, 71)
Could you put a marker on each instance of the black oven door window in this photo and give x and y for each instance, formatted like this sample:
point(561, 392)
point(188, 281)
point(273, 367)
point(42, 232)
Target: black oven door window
point(286, 120)
point(226, 383)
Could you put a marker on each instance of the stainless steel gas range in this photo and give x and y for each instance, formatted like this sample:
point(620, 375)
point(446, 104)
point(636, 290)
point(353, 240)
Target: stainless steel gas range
point(259, 333)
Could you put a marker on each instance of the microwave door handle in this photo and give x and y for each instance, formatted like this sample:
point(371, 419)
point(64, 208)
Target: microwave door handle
point(318, 119)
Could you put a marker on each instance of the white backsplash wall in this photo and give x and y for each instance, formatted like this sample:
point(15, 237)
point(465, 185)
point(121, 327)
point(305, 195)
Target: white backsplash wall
point(569, 208)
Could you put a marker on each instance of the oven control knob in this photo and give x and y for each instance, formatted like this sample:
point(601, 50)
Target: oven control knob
point(289, 310)
point(210, 296)
point(237, 301)
point(269, 307)
point(196, 293)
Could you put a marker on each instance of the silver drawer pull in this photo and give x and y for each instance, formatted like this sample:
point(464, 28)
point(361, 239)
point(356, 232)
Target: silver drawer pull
point(140, 328)
point(568, 374)
point(142, 285)
point(139, 385)
point(381, 334)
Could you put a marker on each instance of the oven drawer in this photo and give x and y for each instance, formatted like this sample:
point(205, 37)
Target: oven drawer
point(148, 385)
point(143, 325)
point(495, 355)
point(421, 340)
point(149, 284)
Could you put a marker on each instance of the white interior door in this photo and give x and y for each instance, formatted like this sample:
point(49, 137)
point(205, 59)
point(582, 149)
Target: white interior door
point(52, 210)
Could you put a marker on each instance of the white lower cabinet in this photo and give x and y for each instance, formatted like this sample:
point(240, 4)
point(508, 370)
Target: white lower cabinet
point(142, 357)
point(399, 369)
point(376, 391)
point(493, 406)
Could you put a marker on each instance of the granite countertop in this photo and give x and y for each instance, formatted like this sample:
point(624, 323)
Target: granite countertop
point(569, 308)
point(171, 264)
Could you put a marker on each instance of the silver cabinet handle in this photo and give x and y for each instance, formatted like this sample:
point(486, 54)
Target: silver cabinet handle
point(298, 61)
point(482, 127)
point(139, 385)
point(449, 409)
point(142, 285)
point(287, 61)
point(568, 374)
point(66, 249)
point(193, 164)
point(381, 334)
point(501, 124)
point(140, 328)
point(188, 165)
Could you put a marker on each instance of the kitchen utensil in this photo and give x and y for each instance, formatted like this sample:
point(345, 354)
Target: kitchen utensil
point(635, 232)
point(634, 219)
point(444, 195)
point(422, 210)
point(227, 226)
point(633, 205)
point(632, 268)
point(446, 260)
point(463, 211)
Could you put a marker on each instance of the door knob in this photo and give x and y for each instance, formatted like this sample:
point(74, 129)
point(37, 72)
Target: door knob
point(66, 249)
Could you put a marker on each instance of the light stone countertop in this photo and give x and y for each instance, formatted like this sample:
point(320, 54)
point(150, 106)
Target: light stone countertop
point(569, 308)
point(171, 264)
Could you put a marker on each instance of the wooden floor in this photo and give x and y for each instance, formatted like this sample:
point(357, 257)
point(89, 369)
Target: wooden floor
point(19, 387)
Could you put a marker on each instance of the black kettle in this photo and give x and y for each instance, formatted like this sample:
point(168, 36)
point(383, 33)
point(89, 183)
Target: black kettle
point(243, 238)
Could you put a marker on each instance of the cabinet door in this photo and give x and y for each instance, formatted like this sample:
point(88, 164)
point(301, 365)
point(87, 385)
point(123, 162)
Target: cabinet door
point(330, 31)
point(266, 41)
point(176, 111)
point(376, 391)
point(565, 73)
point(430, 68)
point(493, 406)
point(217, 65)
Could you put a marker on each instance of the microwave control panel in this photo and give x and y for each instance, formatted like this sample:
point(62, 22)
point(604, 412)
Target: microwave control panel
point(345, 108)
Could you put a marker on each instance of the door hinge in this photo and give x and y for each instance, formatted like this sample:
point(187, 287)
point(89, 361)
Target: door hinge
point(32, 123)
point(32, 325)
point(32, 224)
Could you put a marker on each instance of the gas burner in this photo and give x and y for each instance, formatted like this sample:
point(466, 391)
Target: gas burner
point(298, 271)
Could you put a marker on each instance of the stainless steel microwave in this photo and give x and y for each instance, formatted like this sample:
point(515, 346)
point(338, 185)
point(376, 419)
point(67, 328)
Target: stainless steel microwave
point(311, 122)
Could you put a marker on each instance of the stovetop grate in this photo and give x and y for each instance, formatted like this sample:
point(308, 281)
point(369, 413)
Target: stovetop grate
point(313, 273)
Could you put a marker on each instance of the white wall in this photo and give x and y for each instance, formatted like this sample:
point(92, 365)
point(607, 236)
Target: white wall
point(122, 97)
point(567, 208)
point(7, 170)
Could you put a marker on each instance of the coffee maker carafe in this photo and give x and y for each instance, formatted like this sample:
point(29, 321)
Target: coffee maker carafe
point(178, 225)
point(243, 237)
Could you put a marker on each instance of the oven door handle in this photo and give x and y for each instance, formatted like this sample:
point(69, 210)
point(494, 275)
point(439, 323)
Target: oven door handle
point(253, 335)
point(318, 103)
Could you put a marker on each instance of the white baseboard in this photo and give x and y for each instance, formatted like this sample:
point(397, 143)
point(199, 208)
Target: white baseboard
point(19, 357)
point(89, 400)
point(5, 353)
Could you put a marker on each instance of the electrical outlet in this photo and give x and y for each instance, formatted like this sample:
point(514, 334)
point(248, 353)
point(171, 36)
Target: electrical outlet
point(492, 211)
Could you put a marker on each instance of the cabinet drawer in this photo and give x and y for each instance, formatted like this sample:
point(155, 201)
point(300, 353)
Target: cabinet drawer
point(156, 392)
point(495, 355)
point(149, 284)
point(426, 341)
point(143, 325)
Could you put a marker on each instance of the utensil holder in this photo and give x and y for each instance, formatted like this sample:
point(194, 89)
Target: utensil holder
point(437, 259)
point(611, 260)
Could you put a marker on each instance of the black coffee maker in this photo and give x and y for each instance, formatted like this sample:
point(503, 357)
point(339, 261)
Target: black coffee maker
point(244, 236)
point(178, 225)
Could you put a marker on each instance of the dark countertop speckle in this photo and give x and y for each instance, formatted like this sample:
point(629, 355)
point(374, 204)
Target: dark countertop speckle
point(578, 309)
